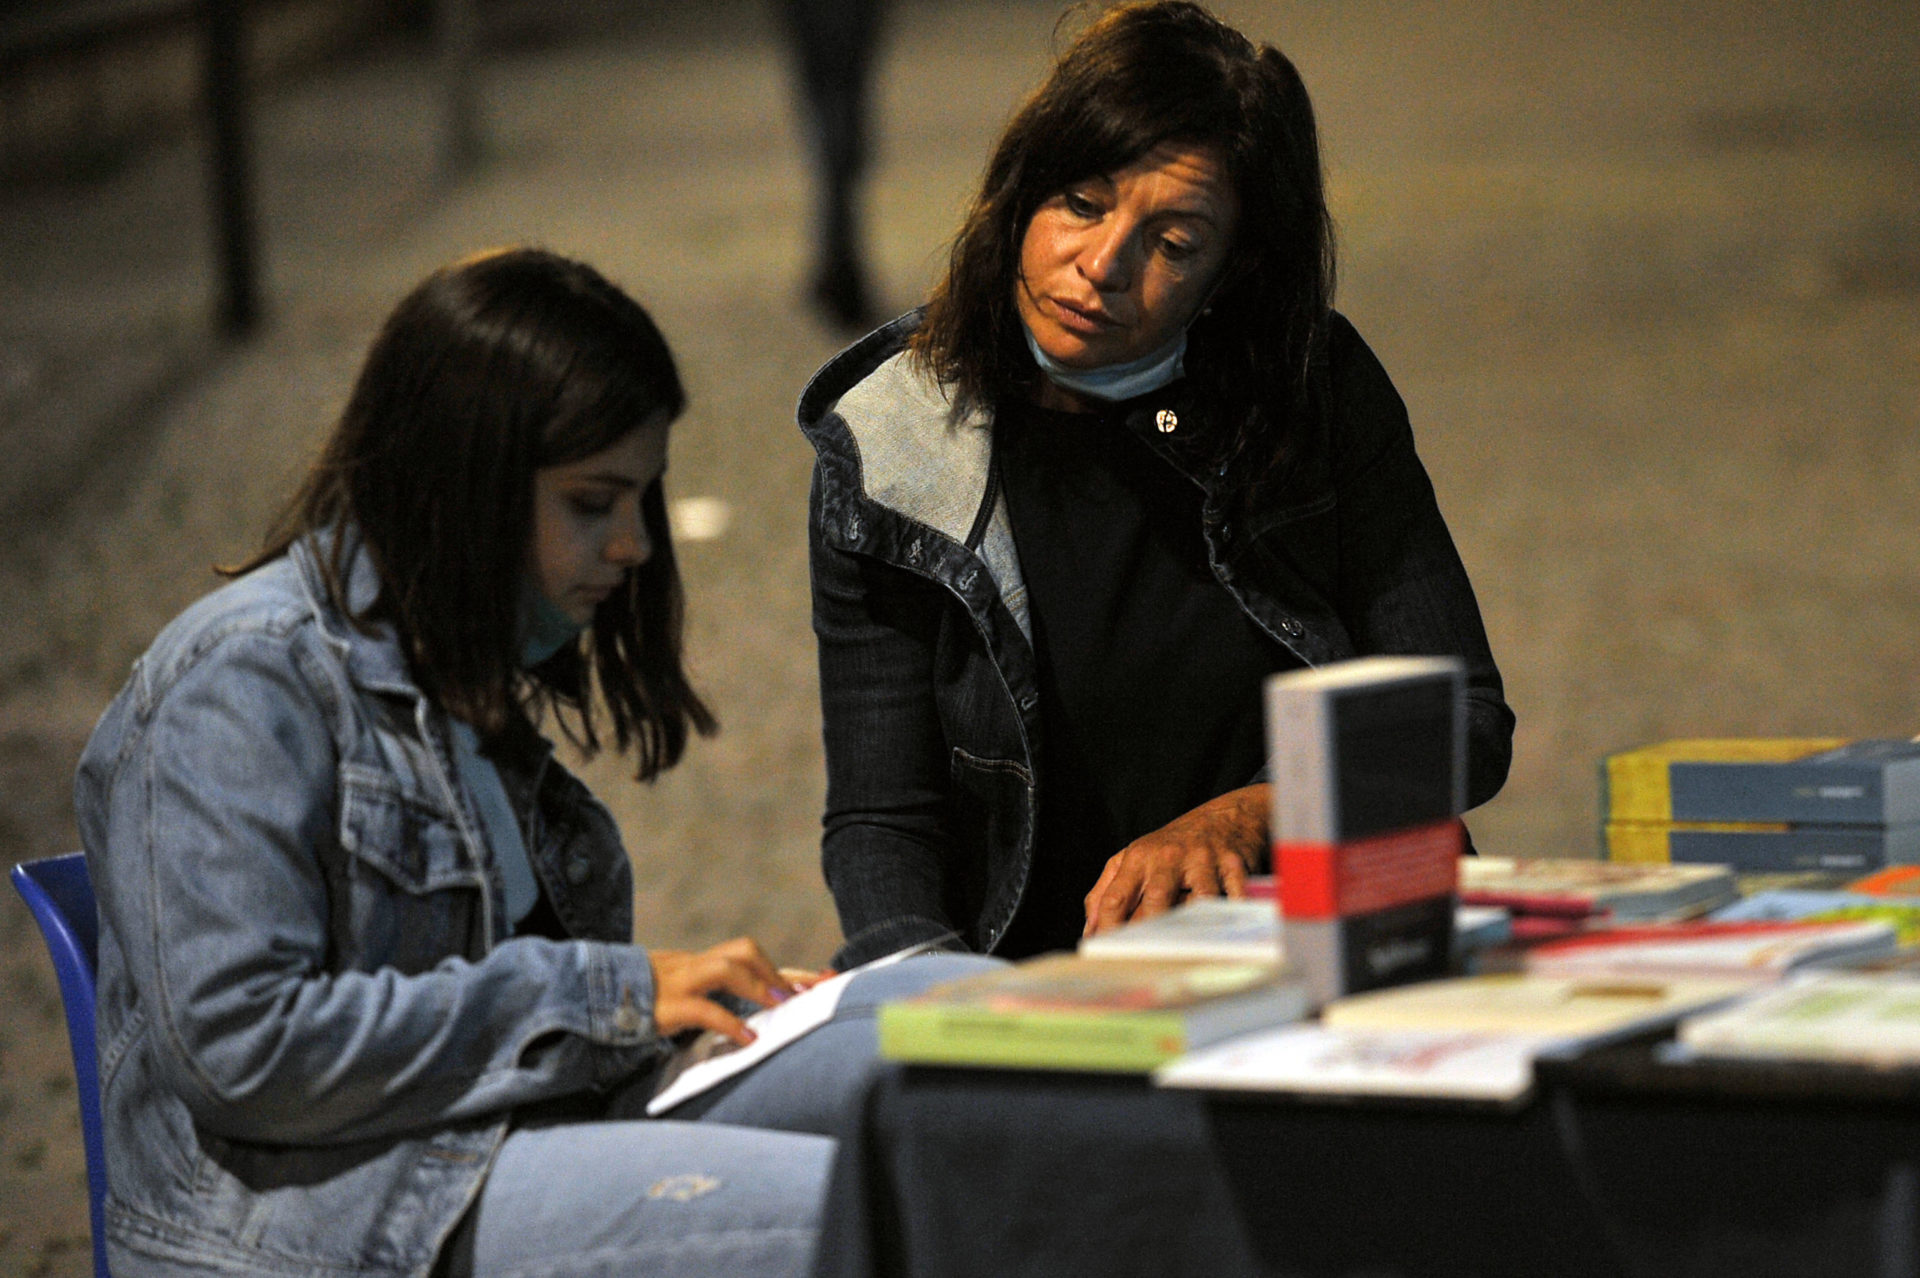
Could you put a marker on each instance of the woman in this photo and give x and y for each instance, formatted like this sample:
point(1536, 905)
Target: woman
point(1125, 464)
point(365, 976)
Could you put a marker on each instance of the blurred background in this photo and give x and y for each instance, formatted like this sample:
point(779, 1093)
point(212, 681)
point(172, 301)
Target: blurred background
point(1647, 275)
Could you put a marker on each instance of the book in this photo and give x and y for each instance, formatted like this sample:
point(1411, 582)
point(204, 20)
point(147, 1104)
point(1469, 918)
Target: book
point(1312, 1060)
point(1062, 1011)
point(1759, 951)
point(1470, 1039)
point(1364, 747)
point(1203, 927)
point(1809, 906)
point(1580, 888)
point(1895, 881)
point(1562, 1008)
point(1799, 780)
point(1251, 930)
point(1870, 1019)
point(1368, 767)
point(1752, 846)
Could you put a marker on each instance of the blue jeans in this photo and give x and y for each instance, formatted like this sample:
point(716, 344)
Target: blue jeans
point(731, 1183)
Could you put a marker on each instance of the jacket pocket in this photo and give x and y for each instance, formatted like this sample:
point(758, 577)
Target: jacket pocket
point(992, 800)
point(410, 888)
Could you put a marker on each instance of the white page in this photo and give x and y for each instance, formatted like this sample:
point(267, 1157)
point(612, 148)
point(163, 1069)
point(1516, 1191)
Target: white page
point(774, 1027)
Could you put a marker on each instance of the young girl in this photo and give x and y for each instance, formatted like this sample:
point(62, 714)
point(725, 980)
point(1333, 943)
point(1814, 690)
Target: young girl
point(366, 984)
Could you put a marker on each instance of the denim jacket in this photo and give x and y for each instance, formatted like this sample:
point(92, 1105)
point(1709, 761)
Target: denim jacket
point(313, 1025)
point(927, 672)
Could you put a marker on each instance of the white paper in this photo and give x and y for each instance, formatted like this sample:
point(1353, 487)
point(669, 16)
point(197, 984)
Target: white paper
point(774, 1027)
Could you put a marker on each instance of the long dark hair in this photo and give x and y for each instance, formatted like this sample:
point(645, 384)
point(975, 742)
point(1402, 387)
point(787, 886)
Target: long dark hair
point(492, 368)
point(1139, 76)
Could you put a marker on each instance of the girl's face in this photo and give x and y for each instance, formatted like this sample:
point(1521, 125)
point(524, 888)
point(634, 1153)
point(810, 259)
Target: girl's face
point(588, 532)
point(1113, 267)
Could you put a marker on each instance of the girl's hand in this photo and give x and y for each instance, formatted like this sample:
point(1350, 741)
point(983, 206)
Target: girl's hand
point(1207, 852)
point(682, 980)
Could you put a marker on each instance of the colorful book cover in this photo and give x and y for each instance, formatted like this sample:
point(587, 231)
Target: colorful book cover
point(1250, 930)
point(1756, 847)
point(1811, 906)
point(1801, 780)
point(1062, 1011)
point(1895, 880)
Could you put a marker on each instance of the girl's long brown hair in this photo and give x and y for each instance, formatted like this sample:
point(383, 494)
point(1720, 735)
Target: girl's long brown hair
point(492, 368)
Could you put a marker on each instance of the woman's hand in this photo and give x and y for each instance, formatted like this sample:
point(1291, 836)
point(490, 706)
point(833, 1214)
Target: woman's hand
point(1207, 852)
point(682, 980)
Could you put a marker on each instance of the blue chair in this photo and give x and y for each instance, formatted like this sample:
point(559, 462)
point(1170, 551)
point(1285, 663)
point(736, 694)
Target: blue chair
point(60, 894)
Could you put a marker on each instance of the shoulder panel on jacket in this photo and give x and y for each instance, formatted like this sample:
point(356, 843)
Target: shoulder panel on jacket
point(917, 455)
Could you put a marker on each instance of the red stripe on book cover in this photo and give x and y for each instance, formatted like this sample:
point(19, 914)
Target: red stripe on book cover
point(1328, 880)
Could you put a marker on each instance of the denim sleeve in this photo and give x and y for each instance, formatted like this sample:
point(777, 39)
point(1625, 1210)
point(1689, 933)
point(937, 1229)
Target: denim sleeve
point(885, 843)
point(1402, 586)
point(217, 893)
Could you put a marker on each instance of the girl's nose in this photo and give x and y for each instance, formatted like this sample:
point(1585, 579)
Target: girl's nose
point(630, 546)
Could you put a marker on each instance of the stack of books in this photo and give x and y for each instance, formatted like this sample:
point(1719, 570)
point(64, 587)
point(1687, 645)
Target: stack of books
point(1552, 896)
point(1765, 805)
point(1368, 770)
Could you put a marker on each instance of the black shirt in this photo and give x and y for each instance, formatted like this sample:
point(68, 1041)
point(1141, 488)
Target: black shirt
point(1149, 672)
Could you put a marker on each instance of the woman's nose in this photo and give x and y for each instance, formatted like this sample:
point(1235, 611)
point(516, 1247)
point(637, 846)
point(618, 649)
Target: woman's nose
point(1106, 260)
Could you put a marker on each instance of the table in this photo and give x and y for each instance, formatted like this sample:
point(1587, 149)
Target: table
point(976, 1172)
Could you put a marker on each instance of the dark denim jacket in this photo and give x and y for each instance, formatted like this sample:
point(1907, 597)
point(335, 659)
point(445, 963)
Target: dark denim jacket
point(927, 677)
point(313, 1025)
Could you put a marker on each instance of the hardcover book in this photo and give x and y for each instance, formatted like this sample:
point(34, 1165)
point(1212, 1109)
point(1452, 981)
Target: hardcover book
point(1579, 888)
point(1815, 780)
point(1755, 847)
point(1062, 1011)
point(1368, 766)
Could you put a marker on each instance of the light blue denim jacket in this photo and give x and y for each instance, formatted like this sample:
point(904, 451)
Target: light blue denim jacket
point(314, 1027)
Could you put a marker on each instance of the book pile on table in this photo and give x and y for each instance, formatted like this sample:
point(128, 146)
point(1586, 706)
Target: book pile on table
point(1363, 982)
point(1765, 804)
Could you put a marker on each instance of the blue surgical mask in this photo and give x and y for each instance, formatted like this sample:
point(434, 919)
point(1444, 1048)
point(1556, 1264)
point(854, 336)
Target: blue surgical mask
point(544, 629)
point(1115, 382)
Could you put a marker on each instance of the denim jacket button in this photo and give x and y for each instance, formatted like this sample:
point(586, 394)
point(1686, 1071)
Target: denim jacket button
point(626, 1017)
point(579, 870)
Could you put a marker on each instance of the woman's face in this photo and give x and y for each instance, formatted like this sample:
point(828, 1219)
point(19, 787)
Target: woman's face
point(1113, 267)
point(588, 532)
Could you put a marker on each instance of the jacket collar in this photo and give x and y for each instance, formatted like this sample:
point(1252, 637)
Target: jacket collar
point(372, 657)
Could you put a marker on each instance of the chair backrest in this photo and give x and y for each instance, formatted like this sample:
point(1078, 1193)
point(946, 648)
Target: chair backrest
point(60, 894)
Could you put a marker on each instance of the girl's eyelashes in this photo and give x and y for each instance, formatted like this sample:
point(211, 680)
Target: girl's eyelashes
point(590, 507)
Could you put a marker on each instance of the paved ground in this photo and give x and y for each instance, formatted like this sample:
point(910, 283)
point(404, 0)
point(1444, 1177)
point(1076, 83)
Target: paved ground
point(1649, 284)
